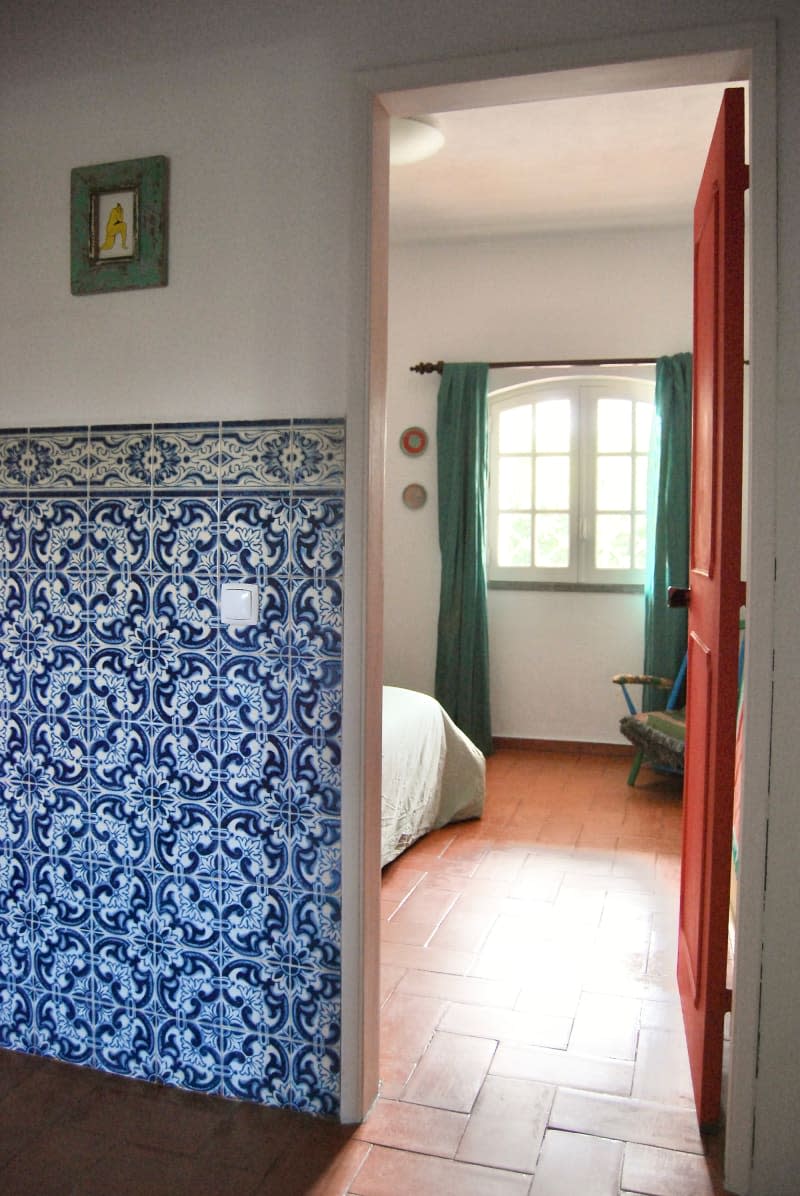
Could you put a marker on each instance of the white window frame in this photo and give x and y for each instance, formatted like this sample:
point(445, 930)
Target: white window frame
point(583, 393)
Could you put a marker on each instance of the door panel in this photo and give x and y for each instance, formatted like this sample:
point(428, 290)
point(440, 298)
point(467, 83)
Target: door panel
point(716, 594)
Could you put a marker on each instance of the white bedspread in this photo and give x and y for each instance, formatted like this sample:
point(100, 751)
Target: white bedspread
point(432, 773)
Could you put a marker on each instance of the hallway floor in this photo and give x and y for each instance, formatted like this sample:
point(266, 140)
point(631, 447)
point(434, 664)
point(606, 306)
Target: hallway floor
point(531, 1033)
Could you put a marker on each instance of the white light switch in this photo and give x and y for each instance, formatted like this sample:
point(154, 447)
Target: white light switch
point(238, 604)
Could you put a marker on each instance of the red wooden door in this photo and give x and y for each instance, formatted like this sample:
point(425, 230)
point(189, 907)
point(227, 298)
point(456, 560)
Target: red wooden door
point(716, 593)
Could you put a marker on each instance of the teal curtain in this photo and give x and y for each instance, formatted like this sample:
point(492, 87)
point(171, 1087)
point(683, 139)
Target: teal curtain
point(669, 490)
point(462, 653)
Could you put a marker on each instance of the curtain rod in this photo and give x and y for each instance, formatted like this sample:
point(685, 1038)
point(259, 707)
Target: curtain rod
point(436, 367)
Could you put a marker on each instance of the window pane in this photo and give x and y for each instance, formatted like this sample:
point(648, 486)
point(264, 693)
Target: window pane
point(514, 541)
point(614, 425)
point(551, 550)
point(612, 546)
point(552, 483)
point(553, 426)
point(516, 426)
point(640, 542)
point(644, 420)
point(614, 483)
point(514, 491)
point(641, 483)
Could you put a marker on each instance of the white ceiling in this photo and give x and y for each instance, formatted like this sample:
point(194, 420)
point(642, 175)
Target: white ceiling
point(603, 161)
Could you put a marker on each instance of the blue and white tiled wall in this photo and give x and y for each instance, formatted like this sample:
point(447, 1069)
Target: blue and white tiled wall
point(170, 786)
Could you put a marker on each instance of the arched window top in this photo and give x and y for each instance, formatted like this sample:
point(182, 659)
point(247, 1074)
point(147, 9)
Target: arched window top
point(568, 480)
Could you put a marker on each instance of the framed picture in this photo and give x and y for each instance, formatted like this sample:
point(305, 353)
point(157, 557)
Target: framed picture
point(118, 218)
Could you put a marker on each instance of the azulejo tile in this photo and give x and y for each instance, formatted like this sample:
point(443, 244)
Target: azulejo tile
point(186, 456)
point(185, 535)
point(169, 846)
point(58, 459)
point(15, 463)
point(13, 535)
point(254, 536)
point(118, 535)
point(189, 1054)
point(121, 458)
point(255, 456)
point(317, 533)
point(319, 448)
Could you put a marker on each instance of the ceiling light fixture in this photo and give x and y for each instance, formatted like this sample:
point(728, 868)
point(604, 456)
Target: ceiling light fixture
point(412, 139)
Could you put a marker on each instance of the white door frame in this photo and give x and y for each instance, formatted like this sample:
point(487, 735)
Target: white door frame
point(662, 59)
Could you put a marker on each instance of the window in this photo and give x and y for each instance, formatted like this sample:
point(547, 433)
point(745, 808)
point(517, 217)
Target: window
point(568, 481)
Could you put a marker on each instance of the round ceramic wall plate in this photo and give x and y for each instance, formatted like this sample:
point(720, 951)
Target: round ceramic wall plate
point(415, 496)
point(414, 441)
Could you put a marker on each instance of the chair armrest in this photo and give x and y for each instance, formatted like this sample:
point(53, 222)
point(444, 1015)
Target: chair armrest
point(642, 679)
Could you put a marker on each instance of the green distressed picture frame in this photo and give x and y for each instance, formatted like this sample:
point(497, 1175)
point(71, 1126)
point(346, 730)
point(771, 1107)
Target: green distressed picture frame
point(118, 226)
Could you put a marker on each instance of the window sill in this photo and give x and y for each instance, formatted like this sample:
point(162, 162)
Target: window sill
point(574, 587)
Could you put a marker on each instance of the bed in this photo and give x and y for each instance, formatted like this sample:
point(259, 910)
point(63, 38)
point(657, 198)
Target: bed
point(432, 773)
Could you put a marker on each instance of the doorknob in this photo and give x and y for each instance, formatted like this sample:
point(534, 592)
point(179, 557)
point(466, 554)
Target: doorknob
point(677, 596)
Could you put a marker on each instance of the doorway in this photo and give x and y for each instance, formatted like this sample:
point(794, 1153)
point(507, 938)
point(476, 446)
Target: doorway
point(456, 93)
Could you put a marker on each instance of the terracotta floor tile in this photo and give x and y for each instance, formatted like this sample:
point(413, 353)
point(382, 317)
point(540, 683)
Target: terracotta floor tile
point(606, 1026)
point(621, 973)
point(661, 1072)
point(408, 1022)
point(577, 1163)
point(627, 1119)
point(388, 1172)
point(562, 1067)
point(337, 1178)
point(597, 836)
point(536, 881)
point(560, 830)
point(431, 959)
point(556, 994)
point(662, 1015)
point(407, 933)
point(463, 929)
point(427, 903)
point(507, 1124)
point(408, 1126)
point(659, 1172)
point(582, 905)
point(467, 990)
point(399, 879)
point(394, 1073)
point(587, 864)
point(546, 962)
point(390, 977)
point(451, 871)
point(508, 1025)
point(450, 1073)
point(501, 866)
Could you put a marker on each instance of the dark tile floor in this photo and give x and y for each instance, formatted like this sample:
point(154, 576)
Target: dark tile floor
point(531, 1035)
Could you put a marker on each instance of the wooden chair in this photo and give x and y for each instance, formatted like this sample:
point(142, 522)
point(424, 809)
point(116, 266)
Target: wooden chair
point(659, 736)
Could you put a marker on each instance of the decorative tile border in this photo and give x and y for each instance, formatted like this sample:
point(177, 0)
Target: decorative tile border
point(170, 787)
point(276, 454)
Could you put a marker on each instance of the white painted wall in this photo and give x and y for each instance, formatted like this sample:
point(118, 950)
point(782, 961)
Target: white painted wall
point(595, 294)
point(258, 242)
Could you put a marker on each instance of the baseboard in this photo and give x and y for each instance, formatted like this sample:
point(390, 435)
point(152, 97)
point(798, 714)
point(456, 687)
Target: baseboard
point(577, 746)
